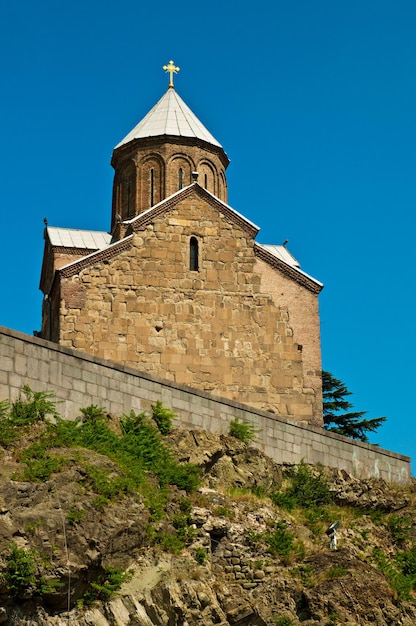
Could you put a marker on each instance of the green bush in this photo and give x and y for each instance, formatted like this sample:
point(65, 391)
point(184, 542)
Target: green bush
point(163, 418)
point(8, 433)
point(408, 562)
point(306, 489)
point(399, 527)
point(21, 569)
point(108, 582)
point(244, 431)
point(23, 572)
point(32, 406)
point(200, 555)
point(399, 571)
point(280, 540)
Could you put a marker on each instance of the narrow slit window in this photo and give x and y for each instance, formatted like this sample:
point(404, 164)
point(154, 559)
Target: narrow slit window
point(152, 186)
point(180, 178)
point(128, 196)
point(193, 254)
point(206, 181)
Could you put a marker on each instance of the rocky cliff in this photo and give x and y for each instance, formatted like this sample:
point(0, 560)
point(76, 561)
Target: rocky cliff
point(237, 540)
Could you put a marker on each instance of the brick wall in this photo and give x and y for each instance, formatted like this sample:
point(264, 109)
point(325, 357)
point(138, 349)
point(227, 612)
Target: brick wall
point(79, 380)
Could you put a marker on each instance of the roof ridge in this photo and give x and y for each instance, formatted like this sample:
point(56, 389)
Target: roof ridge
point(158, 209)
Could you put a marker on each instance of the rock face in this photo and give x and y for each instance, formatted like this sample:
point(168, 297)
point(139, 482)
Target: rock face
point(246, 560)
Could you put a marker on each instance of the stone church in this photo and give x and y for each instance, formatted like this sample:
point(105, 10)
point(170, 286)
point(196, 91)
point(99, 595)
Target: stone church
point(179, 287)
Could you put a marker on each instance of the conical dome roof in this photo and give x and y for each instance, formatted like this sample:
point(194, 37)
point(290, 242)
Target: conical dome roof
point(170, 116)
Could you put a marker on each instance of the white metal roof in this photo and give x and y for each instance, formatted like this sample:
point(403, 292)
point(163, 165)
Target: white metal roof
point(170, 116)
point(72, 238)
point(281, 253)
point(284, 255)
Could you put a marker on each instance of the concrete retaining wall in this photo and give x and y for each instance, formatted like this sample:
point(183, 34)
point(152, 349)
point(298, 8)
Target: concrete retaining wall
point(79, 380)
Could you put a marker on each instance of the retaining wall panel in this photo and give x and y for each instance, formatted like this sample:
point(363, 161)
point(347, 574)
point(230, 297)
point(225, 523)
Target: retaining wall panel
point(79, 380)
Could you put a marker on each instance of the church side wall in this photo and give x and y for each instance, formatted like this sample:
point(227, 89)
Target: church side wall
point(303, 316)
point(79, 380)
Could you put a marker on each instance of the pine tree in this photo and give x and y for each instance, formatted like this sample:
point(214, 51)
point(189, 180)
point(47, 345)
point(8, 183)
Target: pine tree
point(338, 418)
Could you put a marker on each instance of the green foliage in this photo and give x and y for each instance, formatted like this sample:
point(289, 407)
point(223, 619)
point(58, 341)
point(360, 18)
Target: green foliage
point(92, 413)
point(305, 574)
point(224, 511)
point(182, 522)
point(108, 582)
point(163, 417)
point(317, 519)
point(32, 406)
point(23, 573)
point(253, 538)
point(280, 540)
point(284, 621)
point(338, 418)
point(407, 561)
point(399, 527)
point(306, 489)
point(244, 431)
point(75, 516)
point(39, 463)
point(21, 569)
point(140, 461)
point(336, 571)
point(8, 433)
point(200, 555)
point(400, 571)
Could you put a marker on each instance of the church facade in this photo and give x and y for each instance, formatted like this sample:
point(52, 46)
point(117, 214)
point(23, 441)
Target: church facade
point(179, 287)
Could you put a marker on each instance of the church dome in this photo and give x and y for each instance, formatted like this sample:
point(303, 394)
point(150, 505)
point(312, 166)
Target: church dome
point(170, 116)
point(160, 155)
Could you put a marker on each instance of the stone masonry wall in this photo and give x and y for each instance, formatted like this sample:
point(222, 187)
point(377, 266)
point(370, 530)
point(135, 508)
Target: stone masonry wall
point(79, 380)
point(303, 308)
point(214, 329)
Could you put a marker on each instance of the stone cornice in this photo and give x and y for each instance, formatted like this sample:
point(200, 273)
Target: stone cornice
point(124, 151)
point(101, 255)
point(291, 272)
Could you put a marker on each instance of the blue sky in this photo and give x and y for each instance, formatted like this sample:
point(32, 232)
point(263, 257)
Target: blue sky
point(314, 103)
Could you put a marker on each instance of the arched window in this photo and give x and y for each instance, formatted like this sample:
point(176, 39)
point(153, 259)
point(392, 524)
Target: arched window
point(193, 254)
point(127, 202)
point(152, 186)
point(180, 178)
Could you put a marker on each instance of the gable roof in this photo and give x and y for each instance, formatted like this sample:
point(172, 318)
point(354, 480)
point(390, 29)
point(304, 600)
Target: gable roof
point(170, 116)
point(141, 220)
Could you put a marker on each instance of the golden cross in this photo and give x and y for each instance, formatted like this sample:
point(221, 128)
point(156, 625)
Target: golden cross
point(170, 67)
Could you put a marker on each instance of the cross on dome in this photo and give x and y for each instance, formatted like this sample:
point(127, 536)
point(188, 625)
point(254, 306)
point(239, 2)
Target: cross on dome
point(172, 69)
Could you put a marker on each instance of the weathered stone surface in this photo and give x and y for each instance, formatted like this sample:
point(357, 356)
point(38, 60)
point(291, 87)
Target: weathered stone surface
point(240, 583)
